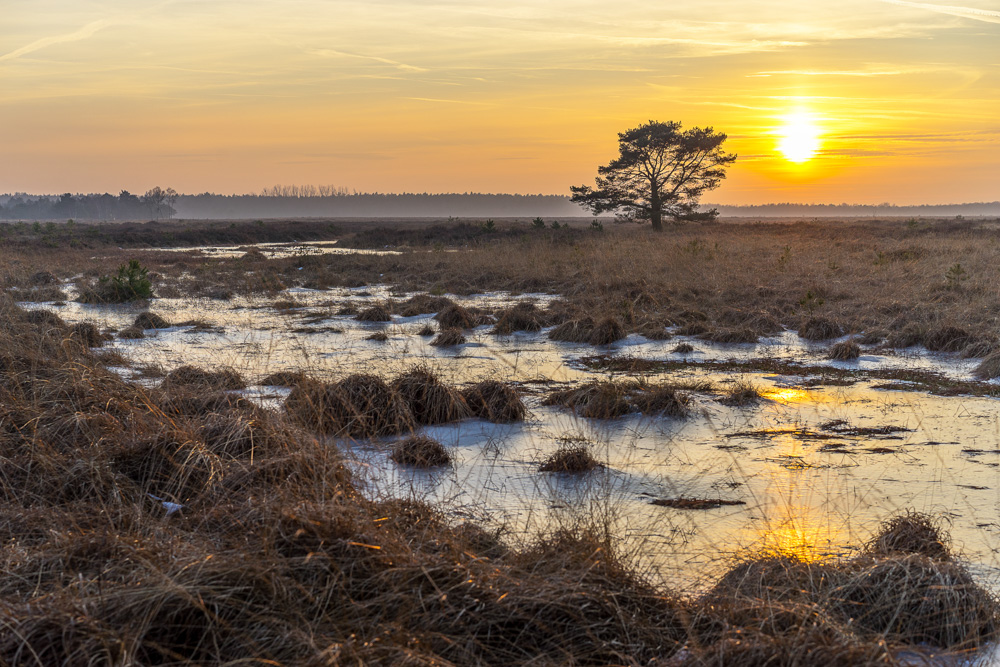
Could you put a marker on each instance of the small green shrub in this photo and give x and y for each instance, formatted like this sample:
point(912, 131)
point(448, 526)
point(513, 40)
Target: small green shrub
point(538, 223)
point(131, 283)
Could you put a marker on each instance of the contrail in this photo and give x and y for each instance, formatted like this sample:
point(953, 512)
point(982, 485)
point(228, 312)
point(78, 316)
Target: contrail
point(986, 15)
point(83, 33)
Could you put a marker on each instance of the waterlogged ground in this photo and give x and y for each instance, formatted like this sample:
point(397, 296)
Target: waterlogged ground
point(816, 466)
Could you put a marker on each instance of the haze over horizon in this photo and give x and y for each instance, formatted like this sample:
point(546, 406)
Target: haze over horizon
point(860, 101)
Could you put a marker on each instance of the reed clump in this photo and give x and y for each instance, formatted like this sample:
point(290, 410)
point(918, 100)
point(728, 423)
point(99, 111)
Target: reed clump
point(359, 406)
point(573, 460)
point(495, 401)
point(448, 338)
point(430, 400)
point(847, 350)
point(610, 399)
point(819, 329)
point(420, 451)
point(522, 316)
point(454, 316)
point(150, 320)
point(989, 367)
point(223, 379)
point(741, 393)
point(378, 312)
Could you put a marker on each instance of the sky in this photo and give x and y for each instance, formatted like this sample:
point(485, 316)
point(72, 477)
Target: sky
point(859, 101)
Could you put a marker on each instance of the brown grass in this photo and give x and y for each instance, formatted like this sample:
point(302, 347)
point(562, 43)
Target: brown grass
point(574, 460)
point(277, 559)
point(989, 368)
point(376, 313)
point(421, 452)
point(454, 316)
point(359, 406)
point(223, 379)
point(522, 316)
point(429, 400)
point(847, 350)
point(820, 328)
point(449, 338)
point(741, 393)
point(610, 400)
point(495, 401)
point(148, 320)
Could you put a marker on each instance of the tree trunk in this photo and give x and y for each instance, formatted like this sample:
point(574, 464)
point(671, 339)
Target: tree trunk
point(656, 216)
point(655, 210)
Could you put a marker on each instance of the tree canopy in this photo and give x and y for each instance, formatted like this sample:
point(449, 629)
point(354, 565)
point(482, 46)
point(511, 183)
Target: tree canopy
point(661, 171)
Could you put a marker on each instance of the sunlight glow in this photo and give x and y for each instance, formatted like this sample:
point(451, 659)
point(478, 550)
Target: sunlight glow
point(799, 137)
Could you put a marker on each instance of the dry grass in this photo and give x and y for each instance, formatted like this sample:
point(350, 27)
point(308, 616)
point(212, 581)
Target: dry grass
point(575, 460)
point(192, 377)
point(847, 350)
point(454, 316)
point(148, 320)
point(449, 338)
point(376, 313)
point(275, 558)
point(495, 401)
point(522, 316)
point(989, 368)
point(359, 406)
point(421, 452)
point(429, 400)
point(610, 400)
point(741, 393)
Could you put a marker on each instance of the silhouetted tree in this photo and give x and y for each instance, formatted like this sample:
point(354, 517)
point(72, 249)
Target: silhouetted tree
point(660, 171)
point(159, 201)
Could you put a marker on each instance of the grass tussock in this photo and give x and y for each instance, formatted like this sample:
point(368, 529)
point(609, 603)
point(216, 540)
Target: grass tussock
point(149, 320)
point(610, 400)
point(820, 328)
point(276, 558)
point(454, 316)
point(449, 338)
point(193, 377)
point(420, 451)
point(847, 350)
point(522, 316)
point(573, 331)
point(742, 393)
point(426, 331)
point(359, 406)
point(607, 331)
point(495, 401)
point(283, 379)
point(88, 334)
point(573, 460)
point(422, 304)
point(378, 312)
point(989, 368)
point(430, 400)
point(947, 339)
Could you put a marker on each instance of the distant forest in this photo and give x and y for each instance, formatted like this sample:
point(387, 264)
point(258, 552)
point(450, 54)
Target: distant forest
point(328, 202)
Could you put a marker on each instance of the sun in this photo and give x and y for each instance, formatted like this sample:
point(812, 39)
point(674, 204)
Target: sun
point(799, 137)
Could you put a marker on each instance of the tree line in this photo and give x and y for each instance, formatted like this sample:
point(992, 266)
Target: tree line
point(155, 203)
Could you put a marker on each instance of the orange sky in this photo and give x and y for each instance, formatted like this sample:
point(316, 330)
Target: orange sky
point(389, 95)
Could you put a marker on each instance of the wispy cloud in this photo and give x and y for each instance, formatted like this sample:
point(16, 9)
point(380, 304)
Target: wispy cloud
point(85, 32)
point(987, 15)
point(333, 53)
point(444, 101)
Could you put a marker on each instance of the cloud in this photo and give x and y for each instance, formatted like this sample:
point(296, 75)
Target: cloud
point(85, 32)
point(987, 15)
point(332, 53)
